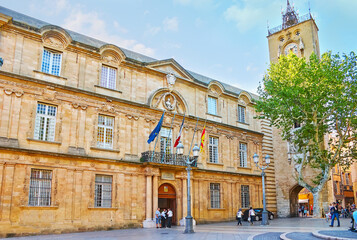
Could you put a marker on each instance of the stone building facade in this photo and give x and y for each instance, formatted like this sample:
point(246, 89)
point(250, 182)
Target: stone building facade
point(299, 35)
point(75, 115)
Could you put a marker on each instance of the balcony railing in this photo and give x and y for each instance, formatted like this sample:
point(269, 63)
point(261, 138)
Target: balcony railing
point(166, 158)
point(281, 27)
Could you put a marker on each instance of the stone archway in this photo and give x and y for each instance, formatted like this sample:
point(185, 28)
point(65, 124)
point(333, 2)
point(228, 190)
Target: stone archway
point(294, 200)
point(167, 199)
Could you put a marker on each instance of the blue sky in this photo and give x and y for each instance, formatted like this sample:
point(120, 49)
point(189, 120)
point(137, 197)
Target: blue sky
point(221, 39)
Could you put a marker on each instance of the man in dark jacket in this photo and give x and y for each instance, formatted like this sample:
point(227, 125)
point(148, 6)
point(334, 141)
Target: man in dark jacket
point(335, 214)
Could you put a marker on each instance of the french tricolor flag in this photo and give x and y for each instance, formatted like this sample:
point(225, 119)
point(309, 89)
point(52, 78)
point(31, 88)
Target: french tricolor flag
point(179, 136)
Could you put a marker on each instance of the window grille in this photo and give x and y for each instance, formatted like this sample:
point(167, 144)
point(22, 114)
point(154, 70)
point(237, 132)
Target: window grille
point(45, 122)
point(243, 155)
point(212, 105)
point(40, 187)
point(108, 77)
point(165, 140)
point(245, 196)
point(103, 191)
point(105, 132)
point(241, 114)
point(215, 195)
point(51, 62)
point(347, 179)
point(213, 149)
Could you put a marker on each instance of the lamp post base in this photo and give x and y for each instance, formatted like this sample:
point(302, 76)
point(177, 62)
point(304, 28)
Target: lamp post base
point(265, 218)
point(189, 225)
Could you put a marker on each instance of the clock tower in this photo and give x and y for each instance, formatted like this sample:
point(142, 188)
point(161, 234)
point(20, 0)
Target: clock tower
point(296, 34)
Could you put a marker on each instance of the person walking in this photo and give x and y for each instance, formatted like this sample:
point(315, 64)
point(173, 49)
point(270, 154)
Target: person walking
point(302, 210)
point(163, 218)
point(239, 217)
point(251, 215)
point(335, 214)
point(158, 218)
point(169, 217)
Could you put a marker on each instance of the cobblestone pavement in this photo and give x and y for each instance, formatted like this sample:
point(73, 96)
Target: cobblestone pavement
point(217, 231)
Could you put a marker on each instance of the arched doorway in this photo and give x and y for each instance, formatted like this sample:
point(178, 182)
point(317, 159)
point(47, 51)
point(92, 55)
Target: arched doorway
point(167, 199)
point(294, 200)
point(300, 197)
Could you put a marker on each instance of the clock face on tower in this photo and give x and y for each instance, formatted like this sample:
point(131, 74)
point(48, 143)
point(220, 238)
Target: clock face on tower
point(291, 47)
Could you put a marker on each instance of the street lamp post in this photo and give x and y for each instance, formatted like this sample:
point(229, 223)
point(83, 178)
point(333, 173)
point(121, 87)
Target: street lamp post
point(195, 150)
point(267, 161)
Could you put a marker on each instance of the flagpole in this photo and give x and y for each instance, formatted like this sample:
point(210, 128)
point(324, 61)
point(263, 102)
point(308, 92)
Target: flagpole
point(202, 130)
point(193, 137)
point(153, 152)
point(172, 122)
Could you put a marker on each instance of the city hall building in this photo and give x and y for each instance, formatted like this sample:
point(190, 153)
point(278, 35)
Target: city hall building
point(75, 116)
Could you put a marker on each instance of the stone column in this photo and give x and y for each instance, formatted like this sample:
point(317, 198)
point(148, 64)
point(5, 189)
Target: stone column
point(155, 193)
point(149, 223)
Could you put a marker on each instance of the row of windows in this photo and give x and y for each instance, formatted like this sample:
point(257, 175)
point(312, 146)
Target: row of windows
point(45, 130)
point(215, 195)
point(40, 190)
point(51, 63)
point(212, 109)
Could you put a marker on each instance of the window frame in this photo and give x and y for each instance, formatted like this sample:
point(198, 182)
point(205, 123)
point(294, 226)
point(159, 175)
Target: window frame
point(242, 109)
point(107, 78)
point(209, 102)
point(215, 195)
point(103, 144)
point(243, 152)
point(51, 66)
point(47, 124)
point(211, 147)
point(103, 198)
point(166, 140)
point(38, 186)
point(245, 196)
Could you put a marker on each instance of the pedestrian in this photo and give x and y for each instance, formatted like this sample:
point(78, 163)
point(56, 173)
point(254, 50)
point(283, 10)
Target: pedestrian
point(169, 217)
point(239, 217)
point(158, 218)
point(163, 218)
point(335, 214)
point(251, 215)
point(305, 212)
point(299, 210)
point(354, 220)
point(302, 210)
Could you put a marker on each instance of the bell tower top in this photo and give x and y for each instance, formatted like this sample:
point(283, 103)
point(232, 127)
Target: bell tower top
point(297, 34)
point(290, 17)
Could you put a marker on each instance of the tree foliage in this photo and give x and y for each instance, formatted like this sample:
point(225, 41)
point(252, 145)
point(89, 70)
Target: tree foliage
point(321, 95)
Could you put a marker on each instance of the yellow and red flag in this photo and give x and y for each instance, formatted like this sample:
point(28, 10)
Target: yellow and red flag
point(203, 138)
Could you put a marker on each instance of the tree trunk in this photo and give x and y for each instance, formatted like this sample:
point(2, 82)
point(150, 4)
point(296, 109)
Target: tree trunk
point(317, 204)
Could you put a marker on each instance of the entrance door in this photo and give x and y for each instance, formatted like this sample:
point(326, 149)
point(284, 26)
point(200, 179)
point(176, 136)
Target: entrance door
point(167, 199)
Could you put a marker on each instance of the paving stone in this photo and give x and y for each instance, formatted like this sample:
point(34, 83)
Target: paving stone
point(302, 235)
point(343, 233)
point(268, 236)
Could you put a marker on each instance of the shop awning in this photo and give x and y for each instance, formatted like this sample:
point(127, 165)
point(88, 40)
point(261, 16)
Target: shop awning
point(303, 200)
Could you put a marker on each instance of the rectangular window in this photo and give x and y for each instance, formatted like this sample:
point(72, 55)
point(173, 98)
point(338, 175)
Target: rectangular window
point(45, 122)
point(103, 191)
point(213, 149)
point(40, 187)
point(165, 140)
point(51, 62)
point(108, 77)
point(105, 132)
point(215, 195)
point(347, 179)
point(245, 196)
point(243, 155)
point(241, 114)
point(212, 105)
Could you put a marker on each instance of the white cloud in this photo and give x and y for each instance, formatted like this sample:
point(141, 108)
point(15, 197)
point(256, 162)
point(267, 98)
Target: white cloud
point(119, 28)
point(91, 24)
point(152, 30)
point(171, 24)
point(251, 13)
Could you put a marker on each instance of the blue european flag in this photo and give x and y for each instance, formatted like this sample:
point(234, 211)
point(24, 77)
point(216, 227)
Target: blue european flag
point(156, 130)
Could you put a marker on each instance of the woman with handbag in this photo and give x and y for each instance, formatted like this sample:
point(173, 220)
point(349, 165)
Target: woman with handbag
point(251, 216)
point(239, 217)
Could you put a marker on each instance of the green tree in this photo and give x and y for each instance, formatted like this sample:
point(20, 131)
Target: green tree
point(321, 95)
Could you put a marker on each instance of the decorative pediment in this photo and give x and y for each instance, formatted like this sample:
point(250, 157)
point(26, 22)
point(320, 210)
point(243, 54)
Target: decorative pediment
point(55, 37)
point(170, 66)
point(4, 19)
point(111, 54)
point(244, 98)
point(215, 88)
point(168, 100)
